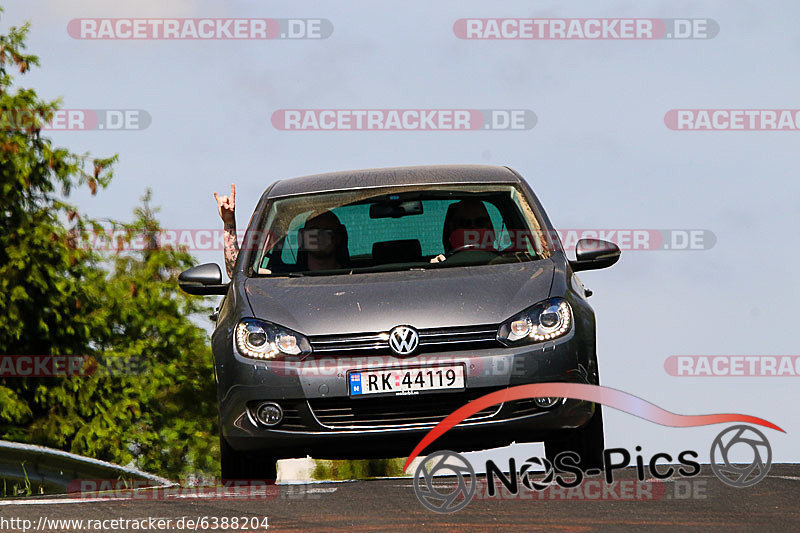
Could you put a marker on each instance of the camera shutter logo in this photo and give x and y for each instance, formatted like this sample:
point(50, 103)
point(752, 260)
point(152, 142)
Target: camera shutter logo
point(403, 340)
point(741, 475)
point(443, 463)
point(527, 474)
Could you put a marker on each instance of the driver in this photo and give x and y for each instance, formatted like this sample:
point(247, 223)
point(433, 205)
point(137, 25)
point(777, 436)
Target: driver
point(467, 225)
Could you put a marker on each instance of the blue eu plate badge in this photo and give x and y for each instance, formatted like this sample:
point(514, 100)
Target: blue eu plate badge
point(355, 383)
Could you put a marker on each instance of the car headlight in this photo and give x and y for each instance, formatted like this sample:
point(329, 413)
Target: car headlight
point(263, 340)
point(544, 321)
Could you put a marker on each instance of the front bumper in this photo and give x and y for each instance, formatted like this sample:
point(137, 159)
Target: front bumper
point(309, 390)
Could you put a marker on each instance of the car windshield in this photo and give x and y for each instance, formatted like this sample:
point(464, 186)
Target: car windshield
point(395, 228)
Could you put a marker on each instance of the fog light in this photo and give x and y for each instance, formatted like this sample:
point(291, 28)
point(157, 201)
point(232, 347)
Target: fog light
point(269, 414)
point(547, 402)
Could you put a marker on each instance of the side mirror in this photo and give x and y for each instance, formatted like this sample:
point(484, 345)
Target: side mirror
point(203, 280)
point(592, 254)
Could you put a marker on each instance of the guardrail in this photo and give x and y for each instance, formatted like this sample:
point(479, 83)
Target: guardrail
point(56, 468)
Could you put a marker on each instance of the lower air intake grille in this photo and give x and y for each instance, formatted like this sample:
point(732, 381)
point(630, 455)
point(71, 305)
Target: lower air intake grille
point(396, 411)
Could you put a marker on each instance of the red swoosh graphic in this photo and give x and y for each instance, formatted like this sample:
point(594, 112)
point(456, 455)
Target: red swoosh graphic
point(617, 399)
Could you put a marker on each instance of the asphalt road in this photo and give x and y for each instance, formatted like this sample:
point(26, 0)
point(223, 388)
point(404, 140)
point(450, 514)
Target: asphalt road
point(701, 503)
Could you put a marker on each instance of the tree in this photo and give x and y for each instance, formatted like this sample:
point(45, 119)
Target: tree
point(60, 297)
point(49, 302)
point(157, 362)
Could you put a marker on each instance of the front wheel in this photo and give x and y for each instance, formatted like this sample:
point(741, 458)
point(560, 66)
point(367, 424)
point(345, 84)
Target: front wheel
point(250, 466)
point(588, 442)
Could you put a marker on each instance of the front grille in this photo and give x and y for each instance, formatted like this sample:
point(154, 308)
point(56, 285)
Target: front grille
point(522, 407)
point(418, 410)
point(430, 340)
point(291, 418)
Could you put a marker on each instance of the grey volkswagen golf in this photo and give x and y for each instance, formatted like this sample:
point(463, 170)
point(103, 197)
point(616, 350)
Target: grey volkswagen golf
point(366, 306)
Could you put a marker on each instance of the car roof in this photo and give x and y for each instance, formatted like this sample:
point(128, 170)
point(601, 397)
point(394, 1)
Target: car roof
point(393, 176)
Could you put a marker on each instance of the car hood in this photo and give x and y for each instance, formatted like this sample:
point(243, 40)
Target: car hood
point(459, 296)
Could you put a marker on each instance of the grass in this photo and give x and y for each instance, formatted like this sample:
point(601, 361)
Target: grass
point(15, 487)
point(357, 469)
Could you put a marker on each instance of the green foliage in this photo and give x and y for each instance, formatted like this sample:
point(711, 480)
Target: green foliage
point(22, 488)
point(58, 297)
point(166, 400)
point(358, 469)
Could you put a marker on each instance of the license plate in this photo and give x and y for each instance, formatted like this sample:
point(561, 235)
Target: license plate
point(399, 381)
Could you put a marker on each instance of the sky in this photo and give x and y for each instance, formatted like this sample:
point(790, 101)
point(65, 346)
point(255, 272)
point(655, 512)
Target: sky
point(599, 156)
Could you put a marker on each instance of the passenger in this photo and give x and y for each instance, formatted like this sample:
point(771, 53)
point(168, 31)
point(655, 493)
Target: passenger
point(226, 207)
point(323, 236)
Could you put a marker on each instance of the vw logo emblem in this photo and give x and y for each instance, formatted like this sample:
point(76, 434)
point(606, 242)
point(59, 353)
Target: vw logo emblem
point(453, 498)
point(403, 340)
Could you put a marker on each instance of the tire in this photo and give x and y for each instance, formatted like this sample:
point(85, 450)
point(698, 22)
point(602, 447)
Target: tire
point(246, 466)
point(588, 442)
